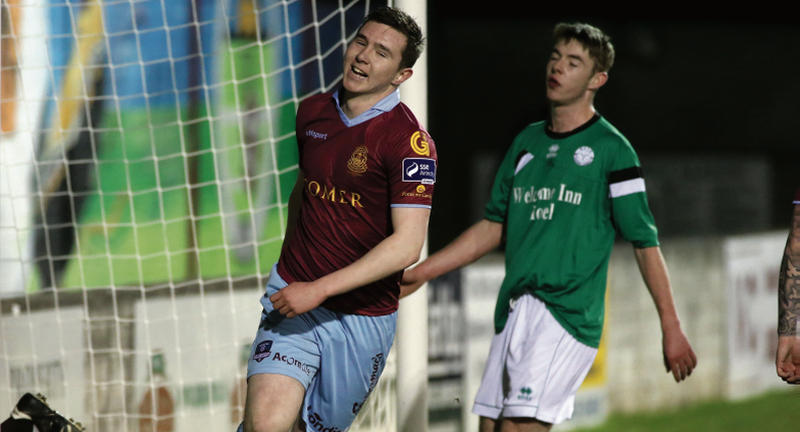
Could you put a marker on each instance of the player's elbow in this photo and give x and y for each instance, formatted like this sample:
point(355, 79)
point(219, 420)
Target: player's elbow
point(410, 257)
point(409, 253)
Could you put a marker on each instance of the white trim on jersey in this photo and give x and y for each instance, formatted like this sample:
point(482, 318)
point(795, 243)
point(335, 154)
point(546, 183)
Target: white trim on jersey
point(409, 206)
point(626, 187)
point(523, 160)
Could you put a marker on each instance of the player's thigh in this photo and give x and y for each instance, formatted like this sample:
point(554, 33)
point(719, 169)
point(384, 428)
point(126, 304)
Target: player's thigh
point(486, 424)
point(489, 400)
point(545, 366)
point(273, 403)
point(354, 350)
point(524, 425)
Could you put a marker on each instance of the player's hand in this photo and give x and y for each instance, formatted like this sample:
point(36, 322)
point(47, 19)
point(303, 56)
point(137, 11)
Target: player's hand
point(410, 283)
point(297, 298)
point(787, 359)
point(679, 358)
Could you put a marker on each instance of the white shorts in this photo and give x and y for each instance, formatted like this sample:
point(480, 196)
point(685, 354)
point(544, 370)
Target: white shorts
point(534, 368)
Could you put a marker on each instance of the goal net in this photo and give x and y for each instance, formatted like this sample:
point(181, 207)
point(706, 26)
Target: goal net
point(146, 158)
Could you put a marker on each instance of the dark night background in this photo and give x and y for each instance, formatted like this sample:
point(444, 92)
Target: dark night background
point(708, 102)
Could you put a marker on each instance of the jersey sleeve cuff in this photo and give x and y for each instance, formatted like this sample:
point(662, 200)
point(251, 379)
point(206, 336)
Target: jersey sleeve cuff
point(410, 206)
point(642, 244)
point(494, 218)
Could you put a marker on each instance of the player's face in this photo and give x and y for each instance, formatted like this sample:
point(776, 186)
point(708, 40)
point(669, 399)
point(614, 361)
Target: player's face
point(570, 73)
point(372, 60)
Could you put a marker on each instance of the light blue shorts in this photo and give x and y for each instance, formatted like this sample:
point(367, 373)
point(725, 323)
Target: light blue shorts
point(337, 357)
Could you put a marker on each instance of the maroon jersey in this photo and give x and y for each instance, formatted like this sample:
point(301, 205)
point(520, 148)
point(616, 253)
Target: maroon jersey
point(353, 176)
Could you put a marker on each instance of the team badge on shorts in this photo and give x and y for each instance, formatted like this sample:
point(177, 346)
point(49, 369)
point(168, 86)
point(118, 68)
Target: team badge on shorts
point(262, 351)
point(583, 156)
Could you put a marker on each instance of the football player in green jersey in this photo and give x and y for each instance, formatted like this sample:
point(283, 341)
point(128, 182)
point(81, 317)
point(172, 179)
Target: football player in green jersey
point(565, 189)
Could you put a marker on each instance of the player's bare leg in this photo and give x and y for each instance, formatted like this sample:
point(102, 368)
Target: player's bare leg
point(488, 425)
point(517, 424)
point(273, 402)
point(299, 425)
point(522, 424)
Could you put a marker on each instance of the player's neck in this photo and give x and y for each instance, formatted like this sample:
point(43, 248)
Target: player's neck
point(565, 118)
point(354, 104)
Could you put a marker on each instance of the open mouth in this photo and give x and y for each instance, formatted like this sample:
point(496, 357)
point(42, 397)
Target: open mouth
point(552, 83)
point(358, 71)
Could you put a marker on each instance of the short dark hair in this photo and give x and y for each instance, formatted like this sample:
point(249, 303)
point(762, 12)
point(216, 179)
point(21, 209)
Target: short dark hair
point(402, 22)
point(592, 38)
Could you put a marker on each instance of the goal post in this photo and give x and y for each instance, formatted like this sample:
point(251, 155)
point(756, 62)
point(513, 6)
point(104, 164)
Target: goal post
point(147, 153)
point(412, 333)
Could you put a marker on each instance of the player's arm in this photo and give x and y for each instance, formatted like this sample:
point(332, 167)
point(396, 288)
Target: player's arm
point(787, 358)
point(396, 252)
point(479, 239)
point(679, 358)
point(475, 242)
point(634, 222)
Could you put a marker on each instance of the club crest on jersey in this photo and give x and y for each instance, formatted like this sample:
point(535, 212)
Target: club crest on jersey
point(419, 143)
point(419, 170)
point(583, 156)
point(357, 164)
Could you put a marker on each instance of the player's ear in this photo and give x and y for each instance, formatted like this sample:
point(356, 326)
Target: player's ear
point(402, 75)
point(598, 80)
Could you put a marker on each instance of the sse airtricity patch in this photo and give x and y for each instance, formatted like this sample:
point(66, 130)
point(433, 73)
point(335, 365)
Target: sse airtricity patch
point(419, 170)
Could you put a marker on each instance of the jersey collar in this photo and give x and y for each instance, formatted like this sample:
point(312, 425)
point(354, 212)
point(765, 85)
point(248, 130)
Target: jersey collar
point(384, 105)
point(561, 135)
